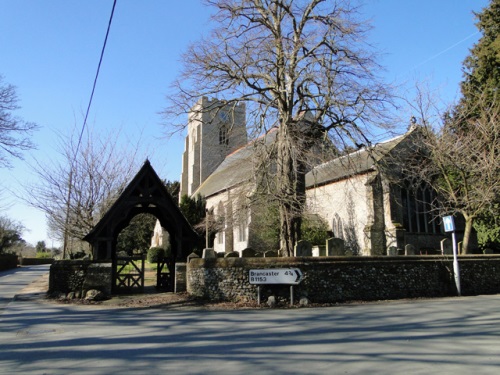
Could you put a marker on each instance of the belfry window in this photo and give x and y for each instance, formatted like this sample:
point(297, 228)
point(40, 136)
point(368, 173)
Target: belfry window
point(223, 136)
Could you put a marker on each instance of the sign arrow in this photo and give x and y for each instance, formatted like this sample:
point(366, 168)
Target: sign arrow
point(289, 276)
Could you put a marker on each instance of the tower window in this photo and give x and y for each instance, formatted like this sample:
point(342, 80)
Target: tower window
point(223, 138)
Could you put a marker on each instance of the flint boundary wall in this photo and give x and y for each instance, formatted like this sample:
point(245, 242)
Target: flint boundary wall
point(341, 279)
point(79, 276)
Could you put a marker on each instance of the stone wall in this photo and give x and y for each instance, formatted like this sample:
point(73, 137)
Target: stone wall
point(340, 279)
point(35, 261)
point(79, 276)
point(8, 261)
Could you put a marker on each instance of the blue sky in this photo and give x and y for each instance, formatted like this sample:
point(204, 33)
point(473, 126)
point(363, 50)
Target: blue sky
point(50, 49)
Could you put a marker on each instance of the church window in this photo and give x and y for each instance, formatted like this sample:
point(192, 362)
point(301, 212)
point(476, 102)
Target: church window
point(221, 223)
point(417, 210)
point(223, 137)
point(242, 224)
point(337, 227)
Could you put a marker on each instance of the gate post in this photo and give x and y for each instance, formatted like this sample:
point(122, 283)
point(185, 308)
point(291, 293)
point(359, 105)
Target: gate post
point(180, 277)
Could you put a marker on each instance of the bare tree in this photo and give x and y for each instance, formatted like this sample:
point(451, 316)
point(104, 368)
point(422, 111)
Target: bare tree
point(14, 132)
point(76, 190)
point(302, 67)
point(459, 158)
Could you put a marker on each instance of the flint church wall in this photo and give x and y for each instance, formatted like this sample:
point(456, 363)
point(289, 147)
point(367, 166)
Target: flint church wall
point(341, 279)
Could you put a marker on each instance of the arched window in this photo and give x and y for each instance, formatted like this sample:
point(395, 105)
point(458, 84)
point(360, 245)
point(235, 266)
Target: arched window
point(418, 203)
point(337, 227)
point(242, 223)
point(221, 219)
point(223, 136)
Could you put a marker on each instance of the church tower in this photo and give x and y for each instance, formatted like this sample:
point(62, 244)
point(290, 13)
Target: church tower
point(214, 131)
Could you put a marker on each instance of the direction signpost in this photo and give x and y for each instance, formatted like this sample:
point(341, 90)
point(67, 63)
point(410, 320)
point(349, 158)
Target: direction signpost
point(449, 226)
point(287, 276)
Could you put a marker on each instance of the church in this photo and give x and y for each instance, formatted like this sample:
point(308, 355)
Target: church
point(354, 194)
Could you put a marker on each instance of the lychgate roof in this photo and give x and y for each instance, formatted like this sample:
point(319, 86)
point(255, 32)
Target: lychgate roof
point(146, 193)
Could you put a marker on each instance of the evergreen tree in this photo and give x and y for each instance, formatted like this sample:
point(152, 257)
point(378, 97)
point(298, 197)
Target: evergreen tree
point(480, 92)
point(482, 66)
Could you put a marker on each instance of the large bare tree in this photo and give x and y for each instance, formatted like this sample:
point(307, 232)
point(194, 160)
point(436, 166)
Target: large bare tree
point(301, 66)
point(75, 190)
point(15, 133)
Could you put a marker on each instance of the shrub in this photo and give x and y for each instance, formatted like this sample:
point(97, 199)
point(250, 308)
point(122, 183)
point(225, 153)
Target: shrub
point(43, 255)
point(314, 230)
point(155, 253)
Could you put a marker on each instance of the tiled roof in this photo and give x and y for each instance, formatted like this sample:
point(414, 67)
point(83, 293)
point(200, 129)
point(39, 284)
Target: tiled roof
point(238, 167)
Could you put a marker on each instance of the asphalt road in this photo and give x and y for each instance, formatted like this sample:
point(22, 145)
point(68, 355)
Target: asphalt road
point(15, 280)
point(442, 336)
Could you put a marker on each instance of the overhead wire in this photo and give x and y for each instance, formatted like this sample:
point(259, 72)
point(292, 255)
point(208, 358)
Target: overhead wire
point(80, 137)
point(95, 79)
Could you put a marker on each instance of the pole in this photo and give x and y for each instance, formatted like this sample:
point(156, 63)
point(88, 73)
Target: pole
point(456, 268)
point(206, 228)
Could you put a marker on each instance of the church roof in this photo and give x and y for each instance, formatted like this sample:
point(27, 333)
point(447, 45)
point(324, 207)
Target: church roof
point(358, 162)
point(238, 167)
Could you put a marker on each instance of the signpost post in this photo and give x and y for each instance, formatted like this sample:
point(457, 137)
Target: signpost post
point(287, 276)
point(449, 226)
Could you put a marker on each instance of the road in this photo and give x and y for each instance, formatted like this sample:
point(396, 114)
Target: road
point(13, 281)
point(442, 336)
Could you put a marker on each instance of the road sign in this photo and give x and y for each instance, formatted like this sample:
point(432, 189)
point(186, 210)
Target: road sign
point(290, 276)
point(449, 224)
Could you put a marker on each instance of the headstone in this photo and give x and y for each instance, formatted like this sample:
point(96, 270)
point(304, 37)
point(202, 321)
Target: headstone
point(446, 247)
point(270, 254)
point(315, 251)
point(220, 255)
point(232, 254)
point(209, 253)
point(335, 247)
point(409, 249)
point(192, 256)
point(303, 249)
point(248, 253)
point(392, 251)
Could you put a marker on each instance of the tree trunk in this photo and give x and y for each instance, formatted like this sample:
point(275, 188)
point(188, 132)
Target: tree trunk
point(291, 190)
point(469, 221)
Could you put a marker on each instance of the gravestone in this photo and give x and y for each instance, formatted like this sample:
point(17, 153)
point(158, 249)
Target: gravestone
point(303, 249)
point(248, 253)
point(209, 253)
point(232, 254)
point(192, 256)
point(392, 251)
point(315, 251)
point(446, 247)
point(270, 254)
point(335, 247)
point(409, 249)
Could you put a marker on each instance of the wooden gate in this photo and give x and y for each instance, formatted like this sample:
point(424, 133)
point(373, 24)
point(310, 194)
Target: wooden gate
point(165, 275)
point(128, 275)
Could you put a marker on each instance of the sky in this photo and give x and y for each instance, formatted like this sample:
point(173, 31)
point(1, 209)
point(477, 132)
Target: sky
point(50, 50)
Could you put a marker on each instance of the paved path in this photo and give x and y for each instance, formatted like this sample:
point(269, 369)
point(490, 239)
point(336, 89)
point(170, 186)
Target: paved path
point(445, 336)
